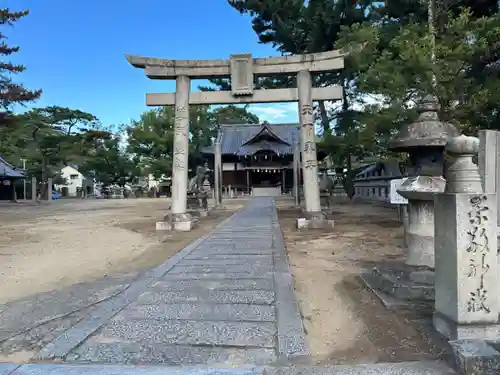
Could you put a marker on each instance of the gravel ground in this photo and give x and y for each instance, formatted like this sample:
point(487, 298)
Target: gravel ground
point(54, 245)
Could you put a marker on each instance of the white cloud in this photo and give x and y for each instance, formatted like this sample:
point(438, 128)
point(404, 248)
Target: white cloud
point(284, 112)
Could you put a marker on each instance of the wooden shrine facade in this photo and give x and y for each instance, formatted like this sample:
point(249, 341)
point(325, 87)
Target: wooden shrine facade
point(258, 158)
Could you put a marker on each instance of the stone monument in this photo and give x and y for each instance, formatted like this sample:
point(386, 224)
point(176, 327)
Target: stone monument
point(467, 274)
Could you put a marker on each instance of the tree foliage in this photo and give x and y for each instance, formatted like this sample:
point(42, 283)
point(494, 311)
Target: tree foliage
point(109, 163)
point(11, 92)
point(150, 139)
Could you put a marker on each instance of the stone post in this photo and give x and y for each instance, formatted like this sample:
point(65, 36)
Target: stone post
point(296, 176)
point(489, 166)
point(466, 279)
point(314, 216)
point(179, 218)
point(217, 172)
point(33, 189)
point(49, 189)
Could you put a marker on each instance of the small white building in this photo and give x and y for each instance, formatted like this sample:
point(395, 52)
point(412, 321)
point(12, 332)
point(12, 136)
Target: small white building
point(75, 182)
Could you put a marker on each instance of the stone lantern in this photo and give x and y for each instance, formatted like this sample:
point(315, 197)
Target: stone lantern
point(412, 284)
point(424, 140)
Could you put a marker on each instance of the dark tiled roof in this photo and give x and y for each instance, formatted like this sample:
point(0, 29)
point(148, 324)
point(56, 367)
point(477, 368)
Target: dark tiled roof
point(391, 169)
point(235, 137)
point(494, 66)
point(8, 170)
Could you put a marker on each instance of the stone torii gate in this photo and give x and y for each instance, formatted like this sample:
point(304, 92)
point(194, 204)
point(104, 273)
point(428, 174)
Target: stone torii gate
point(241, 69)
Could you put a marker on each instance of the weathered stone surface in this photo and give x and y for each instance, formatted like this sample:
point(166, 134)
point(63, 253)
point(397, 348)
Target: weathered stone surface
point(37, 337)
point(228, 251)
point(231, 284)
point(182, 332)
point(241, 244)
point(403, 368)
point(217, 276)
point(220, 269)
point(264, 261)
point(254, 297)
point(200, 255)
point(398, 284)
point(49, 369)
point(476, 357)
point(174, 355)
point(22, 315)
point(200, 311)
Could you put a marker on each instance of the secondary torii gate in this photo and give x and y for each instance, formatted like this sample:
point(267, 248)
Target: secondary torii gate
point(241, 69)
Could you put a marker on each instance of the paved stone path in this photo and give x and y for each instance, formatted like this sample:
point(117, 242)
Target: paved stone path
point(403, 368)
point(227, 298)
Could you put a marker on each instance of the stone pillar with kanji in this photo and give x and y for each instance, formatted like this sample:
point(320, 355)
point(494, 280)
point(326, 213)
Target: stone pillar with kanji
point(314, 217)
point(466, 266)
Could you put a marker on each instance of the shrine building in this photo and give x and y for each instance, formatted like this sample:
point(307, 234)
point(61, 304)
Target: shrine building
point(257, 159)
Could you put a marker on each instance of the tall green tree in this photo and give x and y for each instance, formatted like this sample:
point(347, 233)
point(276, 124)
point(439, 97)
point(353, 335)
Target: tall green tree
point(402, 72)
point(110, 163)
point(53, 136)
point(10, 92)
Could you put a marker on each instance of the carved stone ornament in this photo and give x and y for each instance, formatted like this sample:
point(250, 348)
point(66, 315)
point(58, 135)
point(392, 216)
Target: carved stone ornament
point(462, 175)
point(242, 74)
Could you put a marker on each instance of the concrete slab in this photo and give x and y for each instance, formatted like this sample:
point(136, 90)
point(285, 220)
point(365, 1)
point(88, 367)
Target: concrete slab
point(218, 276)
point(199, 255)
point(200, 311)
point(46, 369)
point(263, 260)
point(254, 297)
point(172, 355)
point(256, 270)
point(231, 284)
point(183, 332)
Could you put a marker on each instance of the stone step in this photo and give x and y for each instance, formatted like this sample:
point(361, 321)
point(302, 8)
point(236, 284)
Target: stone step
point(403, 368)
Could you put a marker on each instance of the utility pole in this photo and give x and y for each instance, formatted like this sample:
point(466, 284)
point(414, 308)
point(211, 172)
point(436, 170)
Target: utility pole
point(24, 179)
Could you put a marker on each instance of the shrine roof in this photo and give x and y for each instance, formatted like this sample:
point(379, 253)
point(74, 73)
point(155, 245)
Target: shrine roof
point(494, 66)
point(241, 139)
point(7, 170)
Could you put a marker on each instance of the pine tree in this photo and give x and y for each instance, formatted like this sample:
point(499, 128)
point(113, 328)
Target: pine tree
point(10, 92)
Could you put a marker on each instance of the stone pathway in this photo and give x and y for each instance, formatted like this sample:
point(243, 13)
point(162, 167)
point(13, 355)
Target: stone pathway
point(404, 368)
point(227, 298)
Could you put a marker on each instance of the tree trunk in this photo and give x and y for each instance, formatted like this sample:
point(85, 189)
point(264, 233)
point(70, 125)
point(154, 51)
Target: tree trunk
point(324, 117)
point(44, 188)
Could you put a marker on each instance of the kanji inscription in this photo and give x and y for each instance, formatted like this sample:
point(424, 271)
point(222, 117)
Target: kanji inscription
point(478, 248)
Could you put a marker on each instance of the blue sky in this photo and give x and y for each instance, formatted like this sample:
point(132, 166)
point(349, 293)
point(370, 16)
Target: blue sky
point(74, 50)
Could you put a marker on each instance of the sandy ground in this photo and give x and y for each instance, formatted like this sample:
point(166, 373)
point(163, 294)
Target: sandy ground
point(50, 246)
point(345, 323)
